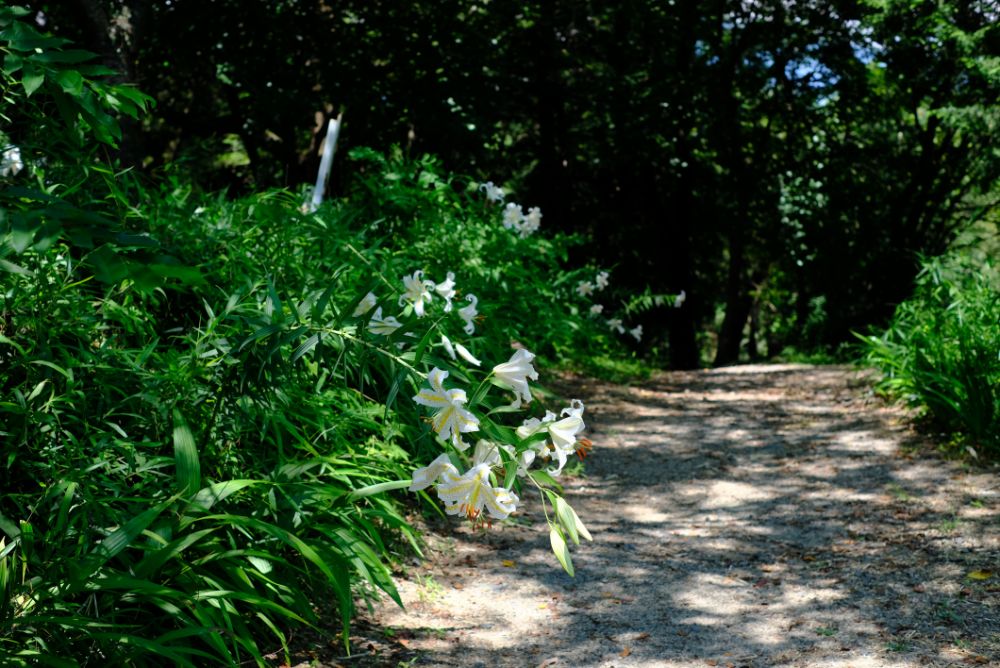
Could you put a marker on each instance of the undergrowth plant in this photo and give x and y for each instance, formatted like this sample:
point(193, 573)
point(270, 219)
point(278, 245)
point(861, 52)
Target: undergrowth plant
point(210, 409)
point(941, 352)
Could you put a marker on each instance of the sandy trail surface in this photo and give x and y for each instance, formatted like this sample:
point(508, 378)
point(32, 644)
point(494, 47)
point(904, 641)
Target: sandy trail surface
point(745, 516)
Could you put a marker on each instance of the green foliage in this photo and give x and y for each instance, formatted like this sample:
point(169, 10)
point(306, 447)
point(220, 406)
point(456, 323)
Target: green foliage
point(202, 437)
point(60, 114)
point(942, 350)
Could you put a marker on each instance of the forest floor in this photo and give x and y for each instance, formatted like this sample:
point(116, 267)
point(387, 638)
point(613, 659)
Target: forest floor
point(760, 516)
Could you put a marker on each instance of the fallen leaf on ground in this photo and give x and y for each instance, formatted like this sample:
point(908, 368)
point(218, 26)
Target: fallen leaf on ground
point(625, 652)
point(980, 575)
point(507, 563)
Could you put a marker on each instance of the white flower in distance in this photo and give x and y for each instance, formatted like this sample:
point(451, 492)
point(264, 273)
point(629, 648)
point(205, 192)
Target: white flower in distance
point(493, 193)
point(469, 314)
point(383, 326)
point(602, 280)
point(10, 162)
point(585, 288)
point(416, 291)
point(512, 216)
point(451, 420)
point(446, 290)
point(679, 299)
point(531, 222)
point(471, 492)
point(615, 325)
point(366, 304)
point(596, 309)
point(514, 374)
point(636, 332)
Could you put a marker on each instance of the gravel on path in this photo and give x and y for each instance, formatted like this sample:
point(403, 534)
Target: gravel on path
point(758, 516)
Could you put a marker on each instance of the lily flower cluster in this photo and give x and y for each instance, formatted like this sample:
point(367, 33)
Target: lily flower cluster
point(489, 456)
point(615, 324)
point(514, 217)
point(485, 484)
point(488, 484)
point(417, 293)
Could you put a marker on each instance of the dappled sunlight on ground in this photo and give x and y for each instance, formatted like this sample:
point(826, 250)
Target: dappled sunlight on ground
point(748, 516)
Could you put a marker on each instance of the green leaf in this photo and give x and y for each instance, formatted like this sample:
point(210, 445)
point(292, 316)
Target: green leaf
point(186, 457)
point(123, 537)
point(560, 549)
point(378, 489)
point(32, 80)
point(8, 266)
point(209, 496)
point(304, 347)
point(70, 81)
point(153, 561)
point(67, 56)
point(54, 367)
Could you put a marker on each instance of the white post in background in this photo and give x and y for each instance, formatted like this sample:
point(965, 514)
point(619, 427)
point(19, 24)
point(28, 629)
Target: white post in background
point(329, 147)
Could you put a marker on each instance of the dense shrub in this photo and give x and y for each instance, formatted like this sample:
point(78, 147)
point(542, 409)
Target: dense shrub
point(942, 350)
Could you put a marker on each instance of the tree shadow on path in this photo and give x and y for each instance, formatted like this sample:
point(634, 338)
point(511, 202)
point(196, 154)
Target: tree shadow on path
point(745, 516)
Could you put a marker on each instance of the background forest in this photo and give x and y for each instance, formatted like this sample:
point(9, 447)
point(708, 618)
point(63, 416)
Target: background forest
point(212, 398)
point(785, 163)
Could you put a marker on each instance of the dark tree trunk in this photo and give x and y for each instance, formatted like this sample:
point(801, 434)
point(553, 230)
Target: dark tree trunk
point(738, 303)
point(116, 38)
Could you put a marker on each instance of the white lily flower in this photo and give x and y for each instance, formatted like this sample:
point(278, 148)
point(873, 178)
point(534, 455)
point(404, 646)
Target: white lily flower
point(451, 420)
point(585, 288)
point(366, 304)
point(564, 433)
point(10, 162)
point(679, 299)
point(472, 492)
point(469, 313)
point(636, 332)
point(602, 280)
point(447, 290)
point(512, 216)
point(596, 309)
point(383, 326)
point(615, 325)
point(425, 477)
point(514, 374)
point(493, 193)
point(531, 222)
point(416, 291)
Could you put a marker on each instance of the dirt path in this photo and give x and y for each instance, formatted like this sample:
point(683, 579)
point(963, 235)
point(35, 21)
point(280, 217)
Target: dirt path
point(749, 516)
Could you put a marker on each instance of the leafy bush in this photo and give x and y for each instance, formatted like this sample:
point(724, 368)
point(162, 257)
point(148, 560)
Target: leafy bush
point(942, 350)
